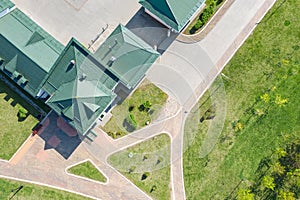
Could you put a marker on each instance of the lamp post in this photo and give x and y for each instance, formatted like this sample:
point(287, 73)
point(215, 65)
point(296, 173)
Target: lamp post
point(16, 191)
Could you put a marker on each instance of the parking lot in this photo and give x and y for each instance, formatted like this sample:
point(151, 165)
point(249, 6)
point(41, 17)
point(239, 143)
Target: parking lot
point(82, 19)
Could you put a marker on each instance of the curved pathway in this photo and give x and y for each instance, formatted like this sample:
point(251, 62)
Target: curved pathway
point(47, 167)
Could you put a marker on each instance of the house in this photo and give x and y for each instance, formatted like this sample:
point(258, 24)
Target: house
point(126, 56)
point(78, 85)
point(82, 85)
point(174, 14)
point(27, 51)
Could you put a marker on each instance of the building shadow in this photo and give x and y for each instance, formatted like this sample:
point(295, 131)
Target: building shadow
point(154, 33)
point(63, 140)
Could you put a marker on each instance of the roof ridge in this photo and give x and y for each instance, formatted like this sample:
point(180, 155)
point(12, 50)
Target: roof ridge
point(174, 16)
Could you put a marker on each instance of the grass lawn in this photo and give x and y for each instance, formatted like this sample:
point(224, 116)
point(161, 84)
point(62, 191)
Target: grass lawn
point(117, 127)
point(31, 191)
point(262, 103)
point(88, 170)
point(151, 156)
point(13, 132)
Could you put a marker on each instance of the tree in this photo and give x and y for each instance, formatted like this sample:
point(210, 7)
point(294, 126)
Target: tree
point(153, 188)
point(244, 194)
point(146, 156)
point(278, 169)
point(268, 182)
point(145, 175)
point(280, 101)
point(280, 152)
point(283, 195)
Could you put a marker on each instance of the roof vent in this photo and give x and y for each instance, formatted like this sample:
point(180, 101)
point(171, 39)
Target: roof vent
point(72, 62)
point(111, 61)
point(83, 77)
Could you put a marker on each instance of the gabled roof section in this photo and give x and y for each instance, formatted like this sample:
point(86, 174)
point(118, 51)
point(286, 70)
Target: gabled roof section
point(80, 87)
point(30, 39)
point(35, 37)
point(4, 4)
point(175, 13)
point(126, 55)
point(27, 50)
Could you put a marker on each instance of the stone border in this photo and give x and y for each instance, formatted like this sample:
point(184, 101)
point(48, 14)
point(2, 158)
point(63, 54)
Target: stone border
point(208, 27)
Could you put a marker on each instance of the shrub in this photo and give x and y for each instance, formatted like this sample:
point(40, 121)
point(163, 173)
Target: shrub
point(280, 101)
point(22, 112)
point(146, 156)
point(145, 175)
point(153, 188)
point(131, 108)
point(133, 120)
point(145, 106)
point(198, 24)
point(207, 13)
point(204, 17)
point(131, 169)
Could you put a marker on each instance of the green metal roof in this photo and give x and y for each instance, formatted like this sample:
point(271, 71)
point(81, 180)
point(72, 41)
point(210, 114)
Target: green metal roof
point(26, 49)
point(175, 13)
point(81, 88)
point(126, 56)
point(4, 4)
point(16, 62)
point(31, 39)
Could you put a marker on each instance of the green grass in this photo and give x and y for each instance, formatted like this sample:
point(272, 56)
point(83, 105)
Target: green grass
point(88, 170)
point(13, 132)
point(268, 63)
point(145, 92)
point(31, 191)
point(145, 158)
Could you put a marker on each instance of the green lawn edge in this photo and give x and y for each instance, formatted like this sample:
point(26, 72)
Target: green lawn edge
point(33, 191)
point(144, 160)
point(129, 110)
point(13, 131)
point(263, 74)
point(87, 170)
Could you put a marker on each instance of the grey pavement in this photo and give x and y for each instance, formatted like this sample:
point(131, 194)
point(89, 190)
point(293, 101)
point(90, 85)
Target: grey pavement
point(229, 27)
point(204, 65)
point(47, 167)
point(82, 19)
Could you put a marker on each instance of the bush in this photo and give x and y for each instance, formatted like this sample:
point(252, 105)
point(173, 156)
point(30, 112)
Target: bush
point(145, 175)
point(207, 13)
point(131, 108)
point(145, 106)
point(22, 113)
point(153, 188)
point(204, 17)
point(198, 24)
point(131, 169)
point(146, 156)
